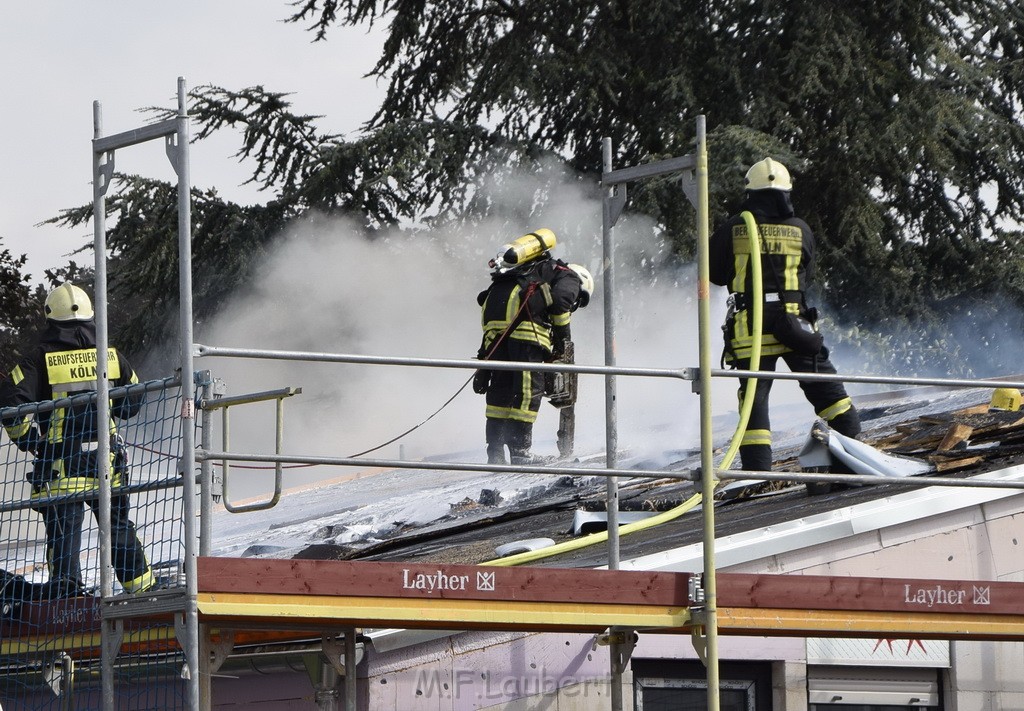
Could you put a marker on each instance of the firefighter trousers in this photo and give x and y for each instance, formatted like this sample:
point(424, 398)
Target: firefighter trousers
point(829, 399)
point(513, 401)
point(63, 524)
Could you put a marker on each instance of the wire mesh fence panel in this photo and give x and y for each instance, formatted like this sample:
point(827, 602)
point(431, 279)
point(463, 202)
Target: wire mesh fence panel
point(51, 636)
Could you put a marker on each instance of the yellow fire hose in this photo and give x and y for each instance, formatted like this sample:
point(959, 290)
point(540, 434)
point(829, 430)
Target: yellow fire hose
point(757, 307)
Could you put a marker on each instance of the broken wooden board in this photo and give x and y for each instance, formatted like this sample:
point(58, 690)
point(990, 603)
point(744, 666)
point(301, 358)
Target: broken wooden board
point(956, 435)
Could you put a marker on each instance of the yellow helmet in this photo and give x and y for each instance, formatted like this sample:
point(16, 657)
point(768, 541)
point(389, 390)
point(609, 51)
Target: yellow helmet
point(768, 174)
point(1007, 399)
point(586, 282)
point(68, 303)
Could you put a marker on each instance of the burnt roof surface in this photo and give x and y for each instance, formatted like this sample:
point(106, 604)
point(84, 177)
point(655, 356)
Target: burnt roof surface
point(952, 429)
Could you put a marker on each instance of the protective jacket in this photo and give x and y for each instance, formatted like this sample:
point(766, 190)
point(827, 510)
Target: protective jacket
point(63, 365)
point(532, 304)
point(63, 440)
point(787, 266)
point(525, 317)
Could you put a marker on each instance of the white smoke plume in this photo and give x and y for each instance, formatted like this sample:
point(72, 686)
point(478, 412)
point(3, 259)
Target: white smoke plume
point(326, 288)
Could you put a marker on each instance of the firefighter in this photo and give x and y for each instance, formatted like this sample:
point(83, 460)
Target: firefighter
point(788, 327)
point(525, 315)
point(64, 441)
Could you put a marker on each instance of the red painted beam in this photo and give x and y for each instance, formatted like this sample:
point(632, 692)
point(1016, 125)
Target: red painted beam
point(457, 582)
point(815, 592)
point(577, 585)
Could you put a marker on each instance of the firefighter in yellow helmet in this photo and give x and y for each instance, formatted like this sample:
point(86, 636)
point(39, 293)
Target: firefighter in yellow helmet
point(789, 330)
point(525, 313)
point(64, 440)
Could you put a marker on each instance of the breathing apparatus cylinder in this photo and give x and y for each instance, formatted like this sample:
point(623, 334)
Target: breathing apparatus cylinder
point(522, 250)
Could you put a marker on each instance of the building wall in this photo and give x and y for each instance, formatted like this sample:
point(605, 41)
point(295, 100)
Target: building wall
point(491, 670)
point(556, 672)
point(566, 672)
point(984, 542)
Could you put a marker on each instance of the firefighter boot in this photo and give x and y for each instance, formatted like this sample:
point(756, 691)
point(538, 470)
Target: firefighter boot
point(496, 454)
point(847, 423)
point(520, 439)
point(756, 457)
point(495, 433)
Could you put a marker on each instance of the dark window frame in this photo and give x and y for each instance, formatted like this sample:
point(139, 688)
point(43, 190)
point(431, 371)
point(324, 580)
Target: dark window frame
point(758, 674)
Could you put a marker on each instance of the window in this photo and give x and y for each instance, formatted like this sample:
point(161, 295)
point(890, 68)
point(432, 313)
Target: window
point(681, 685)
point(692, 695)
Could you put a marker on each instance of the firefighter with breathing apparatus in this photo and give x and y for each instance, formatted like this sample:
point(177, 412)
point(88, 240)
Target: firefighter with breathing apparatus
point(64, 440)
point(525, 315)
point(789, 328)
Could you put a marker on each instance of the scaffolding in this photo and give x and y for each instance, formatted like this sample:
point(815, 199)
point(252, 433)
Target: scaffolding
point(54, 645)
point(107, 648)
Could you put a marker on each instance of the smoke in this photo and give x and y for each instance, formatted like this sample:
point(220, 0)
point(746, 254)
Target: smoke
point(327, 288)
point(975, 337)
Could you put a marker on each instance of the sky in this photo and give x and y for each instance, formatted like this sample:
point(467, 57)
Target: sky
point(60, 57)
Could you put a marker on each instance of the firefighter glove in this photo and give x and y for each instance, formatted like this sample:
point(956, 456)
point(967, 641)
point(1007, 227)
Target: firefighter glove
point(481, 380)
point(28, 442)
point(42, 472)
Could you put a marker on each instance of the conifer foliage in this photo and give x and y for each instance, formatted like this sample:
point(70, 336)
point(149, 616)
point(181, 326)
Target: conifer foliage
point(18, 309)
point(901, 121)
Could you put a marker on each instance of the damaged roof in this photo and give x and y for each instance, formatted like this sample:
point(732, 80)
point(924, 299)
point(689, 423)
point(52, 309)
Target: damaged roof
point(951, 429)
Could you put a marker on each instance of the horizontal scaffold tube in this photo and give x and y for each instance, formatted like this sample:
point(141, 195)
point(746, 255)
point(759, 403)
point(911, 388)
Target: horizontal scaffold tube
point(685, 475)
point(687, 373)
point(208, 351)
point(870, 379)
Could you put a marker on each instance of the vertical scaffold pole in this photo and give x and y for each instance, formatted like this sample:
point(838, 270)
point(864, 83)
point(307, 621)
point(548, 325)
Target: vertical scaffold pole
point(188, 450)
point(351, 677)
point(102, 166)
point(611, 420)
point(707, 462)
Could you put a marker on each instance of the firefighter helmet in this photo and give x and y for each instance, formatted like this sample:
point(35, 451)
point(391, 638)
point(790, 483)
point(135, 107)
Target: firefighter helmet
point(68, 303)
point(586, 283)
point(768, 174)
point(1007, 399)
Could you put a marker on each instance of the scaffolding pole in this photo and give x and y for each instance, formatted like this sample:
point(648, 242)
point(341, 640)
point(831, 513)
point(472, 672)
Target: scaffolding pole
point(615, 186)
point(188, 413)
point(707, 462)
point(102, 169)
point(175, 133)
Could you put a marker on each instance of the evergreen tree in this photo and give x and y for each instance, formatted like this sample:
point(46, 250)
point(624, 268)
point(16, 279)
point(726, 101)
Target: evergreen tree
point(228, 240)
point(20, 308)
point(900, 120)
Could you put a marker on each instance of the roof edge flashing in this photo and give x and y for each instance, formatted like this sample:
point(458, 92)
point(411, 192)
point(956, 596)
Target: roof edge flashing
point(830, 526)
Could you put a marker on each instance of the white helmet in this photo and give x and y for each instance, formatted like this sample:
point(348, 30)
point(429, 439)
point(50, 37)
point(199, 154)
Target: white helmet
point(68, 303)
point(768, 174)
point(586, 283)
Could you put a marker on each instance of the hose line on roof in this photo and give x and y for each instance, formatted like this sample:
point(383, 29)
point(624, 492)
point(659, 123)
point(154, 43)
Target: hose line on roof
point(757, 308)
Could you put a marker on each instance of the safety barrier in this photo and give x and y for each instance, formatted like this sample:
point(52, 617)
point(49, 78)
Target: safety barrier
point(50, 648)
point(51, 614)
